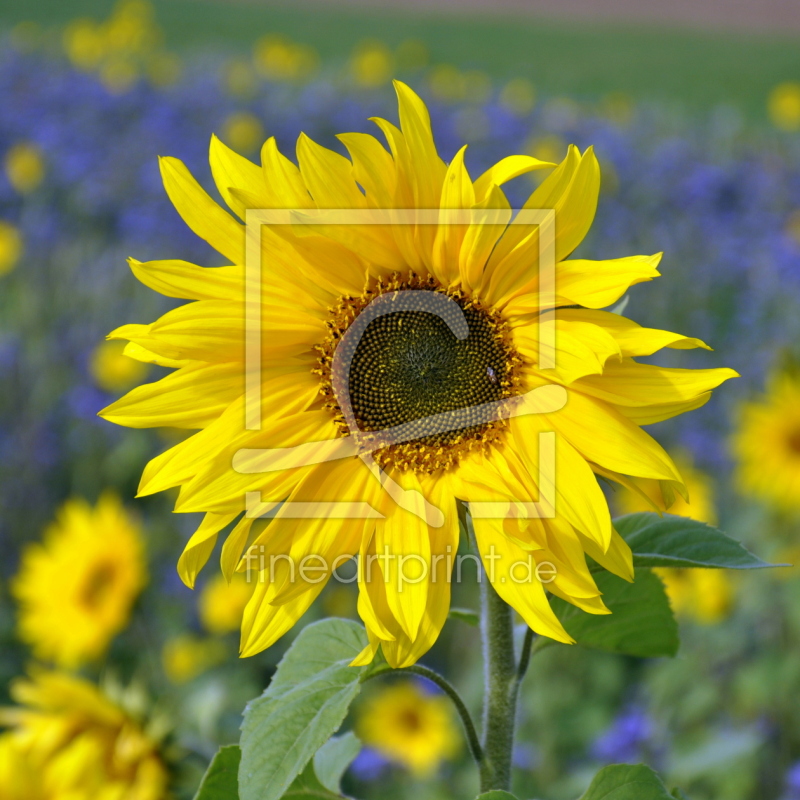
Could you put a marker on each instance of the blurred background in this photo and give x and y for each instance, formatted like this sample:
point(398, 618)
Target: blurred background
point(694, 112)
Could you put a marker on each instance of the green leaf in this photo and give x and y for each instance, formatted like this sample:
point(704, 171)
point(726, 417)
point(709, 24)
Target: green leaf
point(334, 757)
point(496, 794)
point(671, 541)
point(220, 781)
point(678, 794)
point(303, 706)
point(641, 622)
point(626, 782)
point(320, 779)
point(466, 615)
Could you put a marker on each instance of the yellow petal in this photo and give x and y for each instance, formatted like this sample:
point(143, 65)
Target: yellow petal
point(229, 169)
point(200, 546)
point(506, 169)
point(200, 212)
point(188, 281)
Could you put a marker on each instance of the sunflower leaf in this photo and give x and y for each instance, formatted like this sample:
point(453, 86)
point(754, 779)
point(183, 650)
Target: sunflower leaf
point(466, 615)
point(641, 622)
point(220, 781)
point(626, 782)
point(670, 541)
point(496, 794)
point(334, 757)
point(305, 704)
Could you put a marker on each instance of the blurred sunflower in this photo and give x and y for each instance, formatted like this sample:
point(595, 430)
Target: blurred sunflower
point(703, 594)
point(75, 589)
point(767, 444)
point(68, 739)
point(409, 727)
point(221, 603)
point(407, 364)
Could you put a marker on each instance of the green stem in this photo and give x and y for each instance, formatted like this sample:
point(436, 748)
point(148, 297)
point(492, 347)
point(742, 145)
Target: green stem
point(466, 719)
point(501, 683)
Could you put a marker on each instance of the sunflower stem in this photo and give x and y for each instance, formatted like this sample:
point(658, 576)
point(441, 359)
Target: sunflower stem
point(501, 682)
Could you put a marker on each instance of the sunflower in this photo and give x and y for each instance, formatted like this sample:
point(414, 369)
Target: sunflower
point(76, 588)
point(767, 444)
point(705, 595)
point(222, 603)
point(69, 739)
point(316, 282)
point(408, 726)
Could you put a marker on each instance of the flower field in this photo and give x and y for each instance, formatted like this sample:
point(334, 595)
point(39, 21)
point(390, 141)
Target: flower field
point(119, 681)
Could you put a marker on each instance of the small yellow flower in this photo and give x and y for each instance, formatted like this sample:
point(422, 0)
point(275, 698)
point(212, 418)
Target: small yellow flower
point(84, 44)
point(24, 163)
point(112, 370)
point(783, 106)
point(10, 247)
point(706, 595)
point(447, 83)
point(409, 727)
point(703, 594)
point(185, 657)
point(371, 64)
point(76, 588)
point(70, 741)
point(546, 148)
point(519, 97)
point(767, 445)
point(240, 79)
point(221, 604)
point(119, 75)
point(279, 59)
point(243, 132)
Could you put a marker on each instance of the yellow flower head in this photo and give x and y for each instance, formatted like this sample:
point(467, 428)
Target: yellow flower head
point(704, 594)
point(10, 247)
point(221, 604)
point(67, 739)
point(24, 163)
point(371, 64)
point(243, 131)
point(75, 589)
point(518, 96)
point(185, 657)
point(537, 388)
point(409, 727)
point(783, 106)
point(767, 444)
point(112, 370)
point(279, 59)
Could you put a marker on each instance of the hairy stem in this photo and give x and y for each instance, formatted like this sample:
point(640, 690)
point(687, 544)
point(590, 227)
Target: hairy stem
point(501, 683)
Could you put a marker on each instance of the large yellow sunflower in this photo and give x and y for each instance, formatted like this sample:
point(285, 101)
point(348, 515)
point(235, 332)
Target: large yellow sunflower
point(69, 739)
point(767, 444)
point(316, 281)
point(76, 588)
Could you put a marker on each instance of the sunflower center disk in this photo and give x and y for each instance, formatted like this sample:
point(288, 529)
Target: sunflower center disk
point(408, 365)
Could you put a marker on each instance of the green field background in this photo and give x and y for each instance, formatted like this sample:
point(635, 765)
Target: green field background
point(698, 68)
